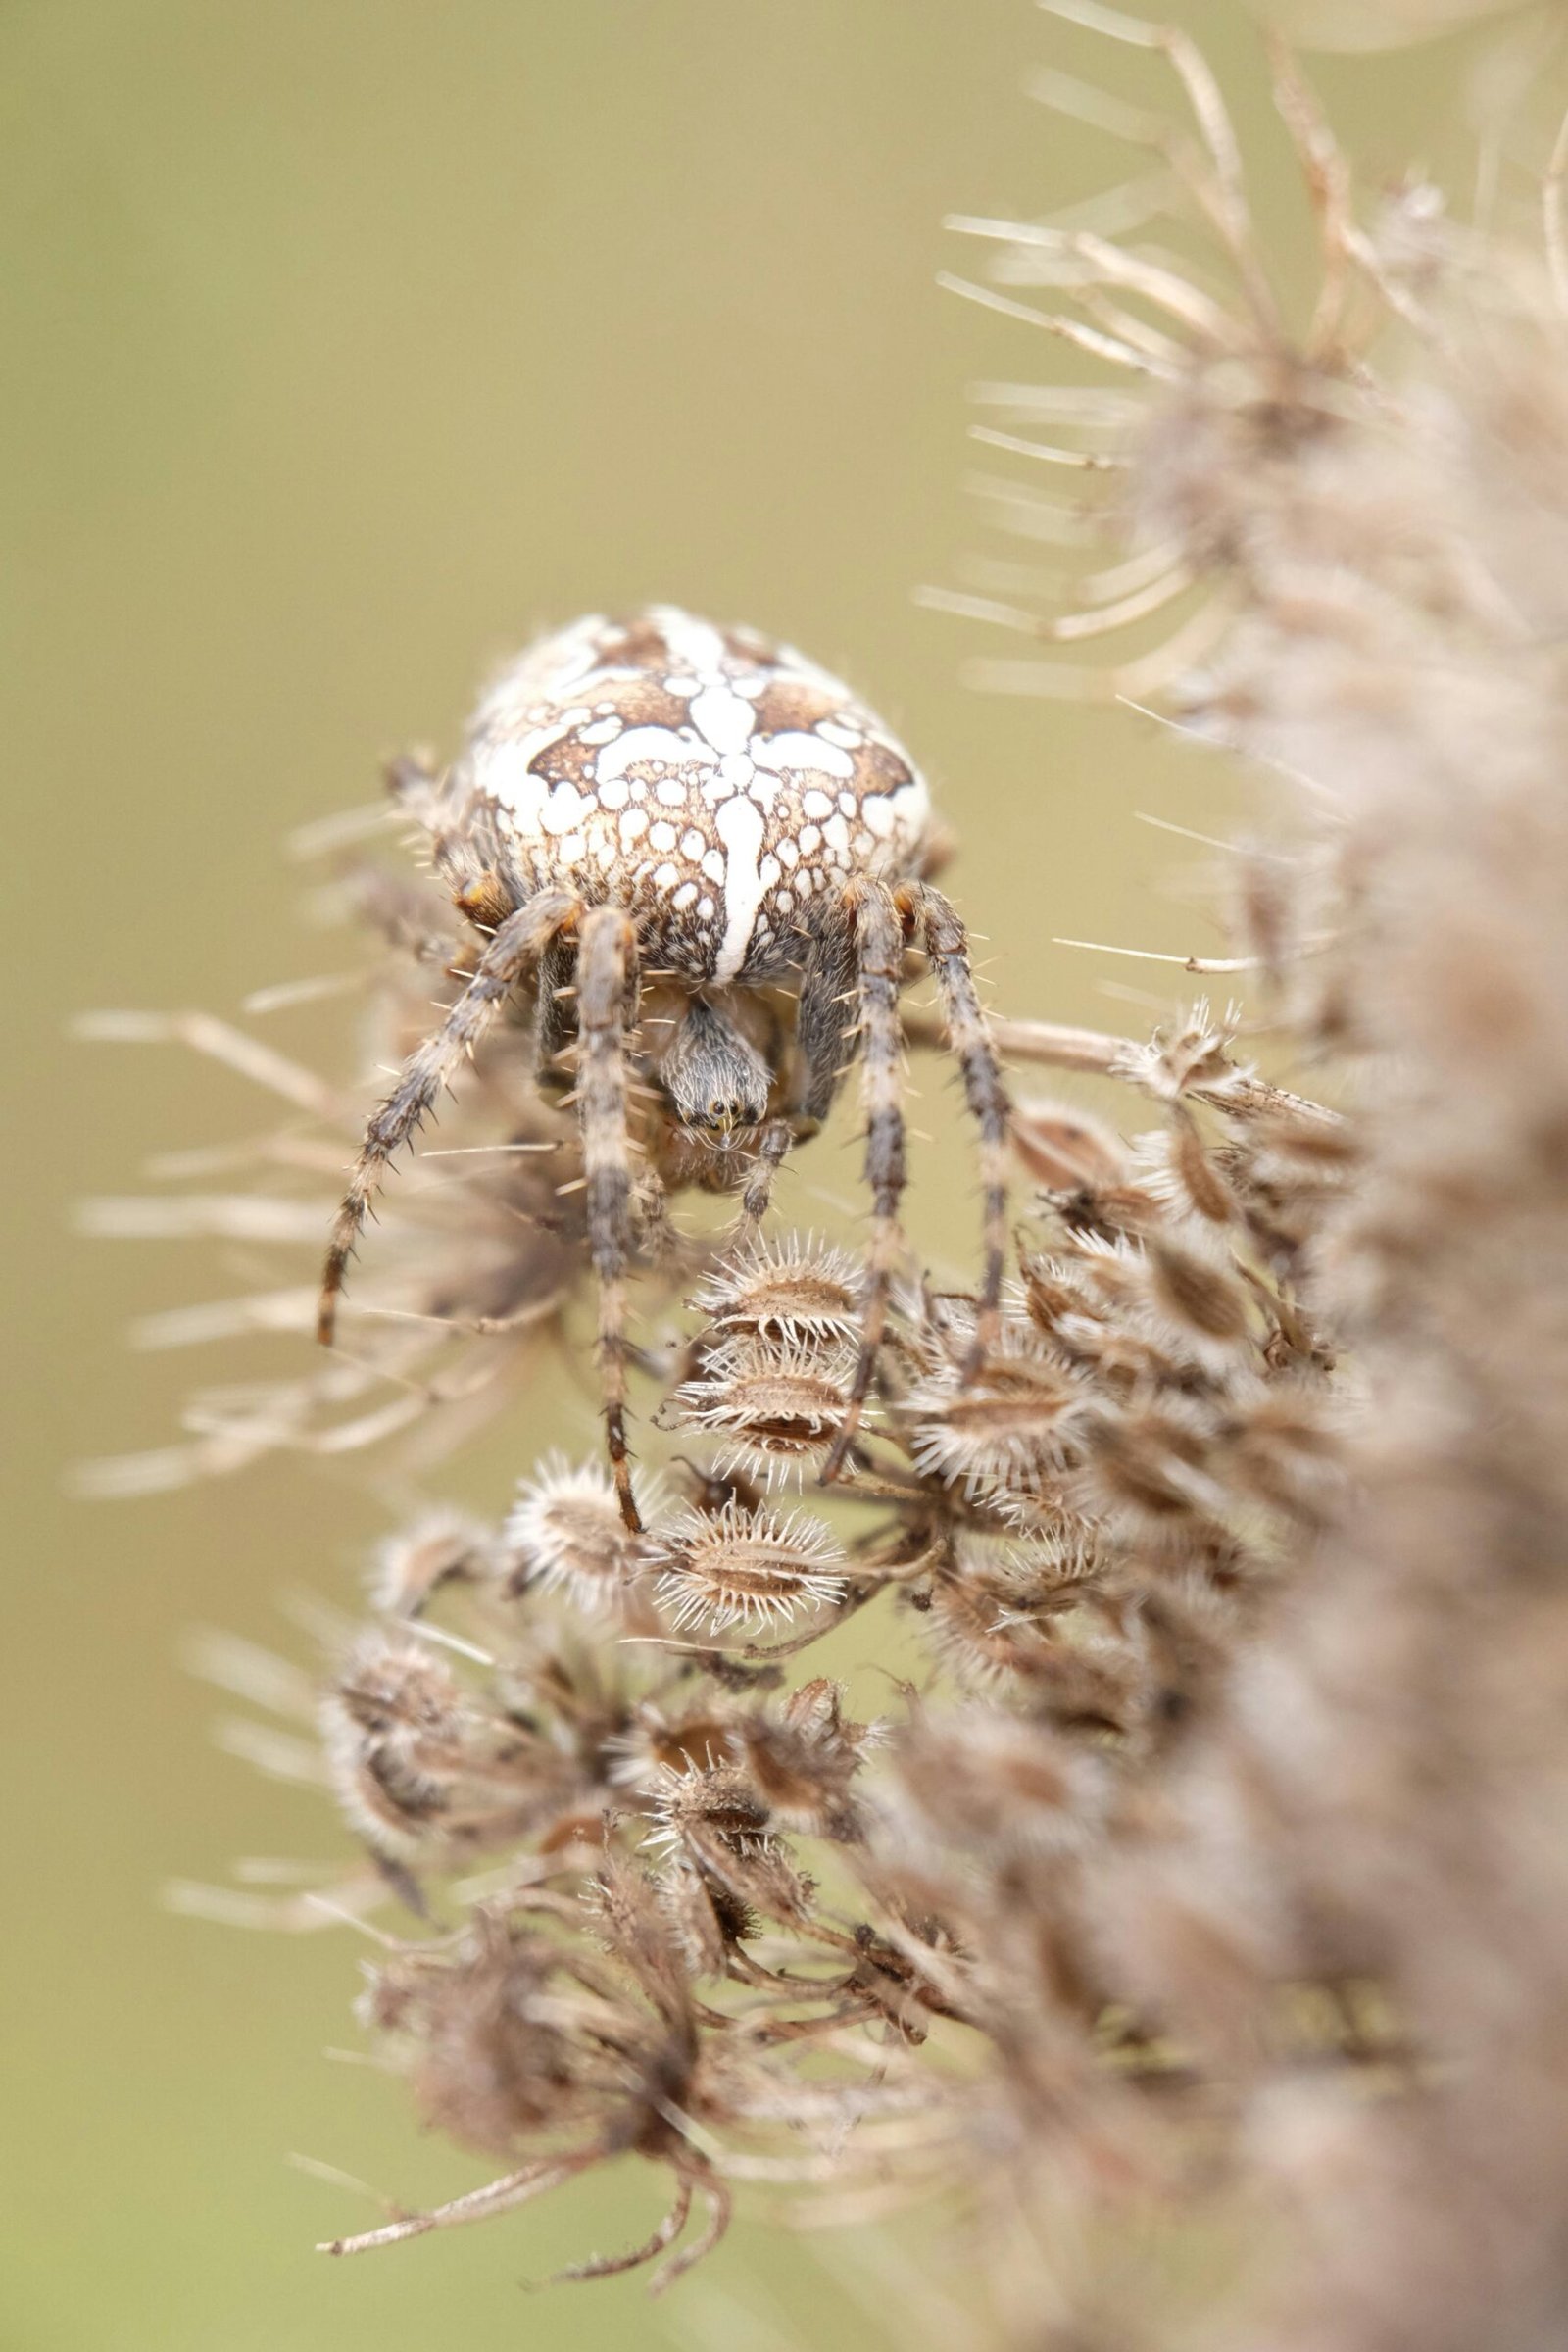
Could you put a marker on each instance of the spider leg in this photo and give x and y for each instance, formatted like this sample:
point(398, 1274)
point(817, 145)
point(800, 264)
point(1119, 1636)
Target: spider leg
point(825, 1025)
point(554, 1020)
point(606, 988)
point(428, 1068)
point(608, 2266)
point(825, 1039)
point(984, 1089)
point(878, 934)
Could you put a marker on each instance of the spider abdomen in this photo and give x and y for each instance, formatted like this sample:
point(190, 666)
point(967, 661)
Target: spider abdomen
point(712, 783)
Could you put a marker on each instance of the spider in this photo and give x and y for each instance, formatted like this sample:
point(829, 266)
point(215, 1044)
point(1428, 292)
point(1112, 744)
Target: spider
point(711, 859)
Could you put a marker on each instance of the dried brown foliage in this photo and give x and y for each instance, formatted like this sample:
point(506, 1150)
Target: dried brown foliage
point(1213, 1863)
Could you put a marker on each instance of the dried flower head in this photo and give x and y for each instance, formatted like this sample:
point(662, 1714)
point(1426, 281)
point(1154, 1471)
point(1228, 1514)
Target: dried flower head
point(802, 1757)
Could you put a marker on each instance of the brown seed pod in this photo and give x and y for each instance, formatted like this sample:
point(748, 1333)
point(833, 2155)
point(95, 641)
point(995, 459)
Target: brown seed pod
point(1009, 1424)
point(441, 1547)
point(779, 1409)
point(796, 1291)
point(658, 1741)
point(410, 1756)
point(566, 1530)
point(751, 1568)
point(802, 1760)
point(1065, 1149)
point(715, 1823)
point(1201, 1299)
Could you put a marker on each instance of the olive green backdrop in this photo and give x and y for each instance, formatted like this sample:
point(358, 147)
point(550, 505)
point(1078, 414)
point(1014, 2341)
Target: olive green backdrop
point(348, 343)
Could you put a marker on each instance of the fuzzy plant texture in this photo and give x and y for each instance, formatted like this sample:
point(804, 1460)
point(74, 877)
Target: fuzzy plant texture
point(1206, 1884)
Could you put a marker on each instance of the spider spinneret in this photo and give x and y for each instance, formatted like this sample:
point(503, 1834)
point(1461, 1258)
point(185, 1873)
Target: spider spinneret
point(709, 857)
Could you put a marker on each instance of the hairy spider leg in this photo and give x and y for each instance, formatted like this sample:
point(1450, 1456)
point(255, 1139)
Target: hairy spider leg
point(828, 1019)
point(947, 947)
point(429, 1067)
point(878, 933)
point(607, 999)
point(825, 1040)
point(554, 1020)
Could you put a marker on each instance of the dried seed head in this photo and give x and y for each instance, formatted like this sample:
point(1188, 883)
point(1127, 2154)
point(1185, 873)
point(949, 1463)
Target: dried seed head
point(475, 2032)
point(991, 1611)
point(702, 1918)
point(565, 1529)
point(1152, 1467)
point(750, 1568)
point(796, 1291)
point(717, 1824)
point(1093, 1308)
point(1287, 1183)
point(1064, 1150)
point(803, 1760)
point(441, 1547)
point(1087, 1174)
point(398, 1728)
point(656, 1741)
point(622, 1904)
point(990, 1787)
point(1007, 1425)
point(780, 1408)
point(1201, 1301)
point(1196, 1054)
point(1060, 1300)
point(718, 1802)
point(1198, 1180)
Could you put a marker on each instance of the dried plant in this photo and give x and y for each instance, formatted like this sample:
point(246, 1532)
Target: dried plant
point(1211, 1862)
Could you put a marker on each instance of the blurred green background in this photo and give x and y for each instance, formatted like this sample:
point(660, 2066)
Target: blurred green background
point(348, 343)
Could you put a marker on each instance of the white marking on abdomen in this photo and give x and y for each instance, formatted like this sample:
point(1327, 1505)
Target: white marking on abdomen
point(696, 643)
point(722, 719)
point(501, 769)
point(740, 828)
point(797, 749)
point(661, 747)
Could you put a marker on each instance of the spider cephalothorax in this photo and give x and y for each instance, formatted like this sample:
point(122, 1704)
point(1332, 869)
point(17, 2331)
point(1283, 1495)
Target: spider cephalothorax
point(710, 857)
